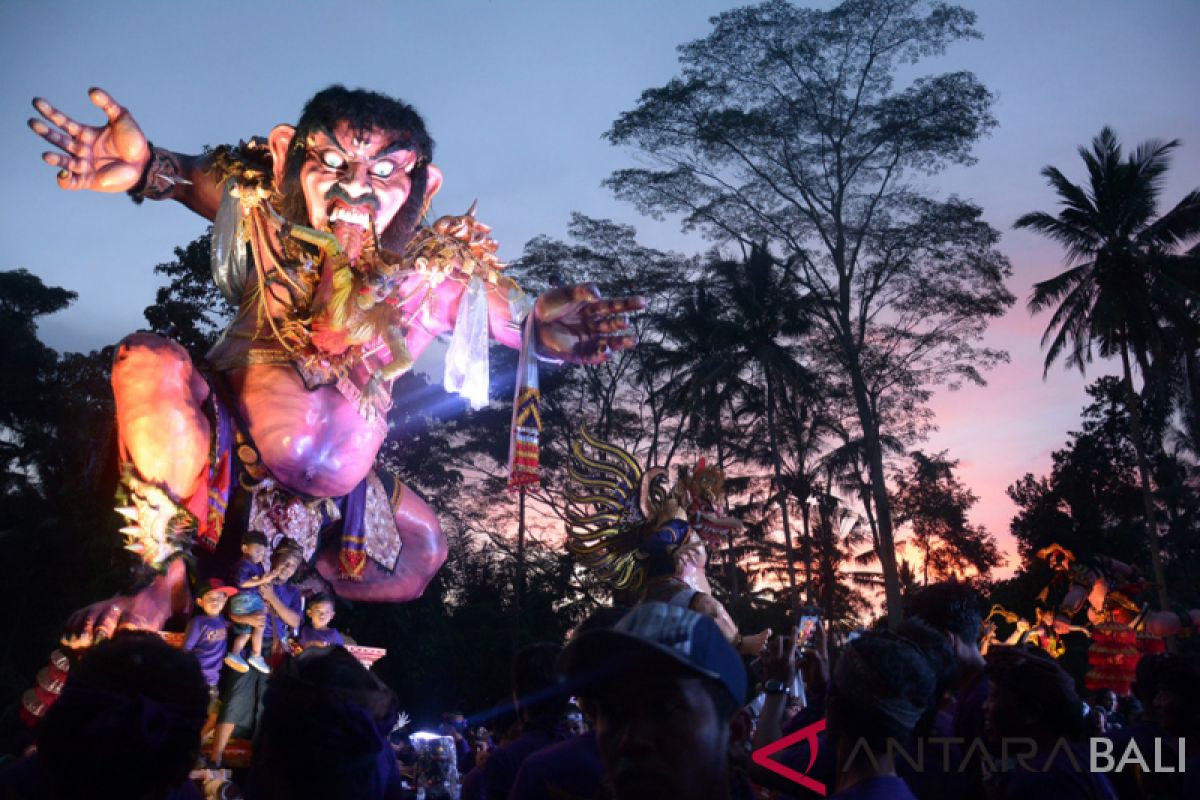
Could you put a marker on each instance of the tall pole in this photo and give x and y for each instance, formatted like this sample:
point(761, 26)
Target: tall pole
point(520, 588)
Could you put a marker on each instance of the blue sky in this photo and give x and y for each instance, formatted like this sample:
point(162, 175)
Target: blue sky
point(517, 94)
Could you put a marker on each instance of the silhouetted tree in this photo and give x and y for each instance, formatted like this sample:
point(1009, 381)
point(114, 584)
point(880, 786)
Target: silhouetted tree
point(1127, 276)
point(934, 503)
point(785, 130)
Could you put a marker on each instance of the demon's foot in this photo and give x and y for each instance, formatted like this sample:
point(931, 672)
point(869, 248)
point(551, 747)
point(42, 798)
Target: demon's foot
point(146, 610)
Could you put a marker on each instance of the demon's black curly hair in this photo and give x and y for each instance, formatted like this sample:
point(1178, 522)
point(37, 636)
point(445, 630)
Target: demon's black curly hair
point(362, 110)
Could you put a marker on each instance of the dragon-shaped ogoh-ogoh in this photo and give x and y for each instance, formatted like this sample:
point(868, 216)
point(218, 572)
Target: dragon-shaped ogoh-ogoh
point(640, 536)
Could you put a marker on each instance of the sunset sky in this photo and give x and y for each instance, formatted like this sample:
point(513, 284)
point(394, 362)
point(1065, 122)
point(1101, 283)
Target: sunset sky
point(517, 94)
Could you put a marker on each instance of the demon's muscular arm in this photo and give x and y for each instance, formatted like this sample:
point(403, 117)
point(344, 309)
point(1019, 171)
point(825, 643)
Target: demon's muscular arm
point(117, 158)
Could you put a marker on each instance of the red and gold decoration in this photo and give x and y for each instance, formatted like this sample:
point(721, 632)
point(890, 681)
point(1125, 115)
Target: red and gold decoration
point(1112, 658)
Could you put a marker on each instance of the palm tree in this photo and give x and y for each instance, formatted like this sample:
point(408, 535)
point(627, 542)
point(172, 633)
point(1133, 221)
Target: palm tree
point(1127, 274)
point(739, 335)
point(696, 350)
point(763, 305)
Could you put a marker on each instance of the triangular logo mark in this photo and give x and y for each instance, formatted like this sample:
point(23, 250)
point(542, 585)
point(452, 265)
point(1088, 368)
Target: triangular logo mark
point(762, 756)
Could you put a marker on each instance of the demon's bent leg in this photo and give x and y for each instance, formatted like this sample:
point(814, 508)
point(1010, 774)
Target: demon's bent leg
point(422, 553)
point(160, 419)
point(164, 437)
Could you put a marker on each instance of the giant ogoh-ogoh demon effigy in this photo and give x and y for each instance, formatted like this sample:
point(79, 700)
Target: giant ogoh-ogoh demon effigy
point(644, 536)
point(1104, 591)
point(318, 241)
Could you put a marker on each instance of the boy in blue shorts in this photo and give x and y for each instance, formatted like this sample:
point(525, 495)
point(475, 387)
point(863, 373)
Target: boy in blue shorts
point(248, 575)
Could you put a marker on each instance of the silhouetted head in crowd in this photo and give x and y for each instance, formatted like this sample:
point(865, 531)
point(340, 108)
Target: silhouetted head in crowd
point(953, 608)
point(128, 722)
point(1107, 700)
point(1145, 682)
point(1096, 722)
point(602, 617)
point(1177, 702)
point(882, 686)
point(536, 694)
point(1031, 696)
point(324, 731)
point(1131, 709)
point(663, 683)
point(941, 660)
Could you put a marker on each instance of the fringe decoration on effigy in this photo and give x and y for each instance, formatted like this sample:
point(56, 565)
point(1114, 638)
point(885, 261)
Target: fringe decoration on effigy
point(524, 454)
point(1112, 657)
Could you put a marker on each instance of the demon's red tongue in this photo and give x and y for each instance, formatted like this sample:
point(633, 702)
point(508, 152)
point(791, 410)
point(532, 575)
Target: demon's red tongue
point(351, 237)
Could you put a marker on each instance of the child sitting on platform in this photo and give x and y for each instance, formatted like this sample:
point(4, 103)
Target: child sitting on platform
point(206, 634)
point(248, 575)
point(316, 632)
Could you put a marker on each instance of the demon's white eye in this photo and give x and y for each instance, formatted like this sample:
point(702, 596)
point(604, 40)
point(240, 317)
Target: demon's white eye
point(332, 160)
point(383, 169)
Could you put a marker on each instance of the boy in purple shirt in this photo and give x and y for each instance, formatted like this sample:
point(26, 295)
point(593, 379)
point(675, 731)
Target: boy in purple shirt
point(316, 632)
point(206, 634)
point(248, 575)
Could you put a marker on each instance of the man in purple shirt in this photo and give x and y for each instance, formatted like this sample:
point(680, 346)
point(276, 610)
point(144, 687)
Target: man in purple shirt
point(571, 768)
point(241, 692)
point(206, 634)
point(1033, 698)
point(664, 683)
point(954, 609)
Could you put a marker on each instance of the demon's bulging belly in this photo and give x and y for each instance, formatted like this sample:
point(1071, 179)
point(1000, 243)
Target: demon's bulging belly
point(313, 441)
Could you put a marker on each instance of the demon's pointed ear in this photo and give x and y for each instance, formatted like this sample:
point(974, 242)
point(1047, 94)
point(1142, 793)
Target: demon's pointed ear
point(433, 182)
point(279, 140)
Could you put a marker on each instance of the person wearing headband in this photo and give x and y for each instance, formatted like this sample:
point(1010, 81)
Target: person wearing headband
point(882, 686)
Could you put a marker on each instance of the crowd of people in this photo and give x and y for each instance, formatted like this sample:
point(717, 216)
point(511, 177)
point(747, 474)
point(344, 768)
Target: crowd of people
point(648, 702)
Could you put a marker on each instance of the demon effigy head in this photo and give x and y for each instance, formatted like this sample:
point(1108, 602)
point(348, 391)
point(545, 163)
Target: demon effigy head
point(356, 164)
point(703, 499)
point(698, 497)
point(1057, 557)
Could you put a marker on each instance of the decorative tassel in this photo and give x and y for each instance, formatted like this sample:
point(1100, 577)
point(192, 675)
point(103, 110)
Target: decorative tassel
point(220, 476)
point(351, 564)
point(523, 454)
point(526, 456)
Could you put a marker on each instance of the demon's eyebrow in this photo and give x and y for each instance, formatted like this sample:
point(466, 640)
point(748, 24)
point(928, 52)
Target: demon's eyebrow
point(333, 142)
point(399, 144)
point(395, 146)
